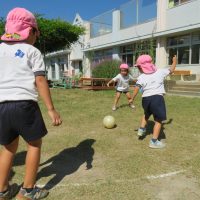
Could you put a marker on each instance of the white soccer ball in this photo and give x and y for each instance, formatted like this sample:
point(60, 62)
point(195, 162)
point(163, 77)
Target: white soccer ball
point(109, 122)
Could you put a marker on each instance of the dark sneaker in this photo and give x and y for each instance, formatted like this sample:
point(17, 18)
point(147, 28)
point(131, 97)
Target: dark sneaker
point(12, 191)
point(35, 194)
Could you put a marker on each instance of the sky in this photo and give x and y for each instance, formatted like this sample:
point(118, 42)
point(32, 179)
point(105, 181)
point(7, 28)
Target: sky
point(63, 9)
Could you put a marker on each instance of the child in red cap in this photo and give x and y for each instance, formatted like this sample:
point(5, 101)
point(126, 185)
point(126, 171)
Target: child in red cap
point(22, 76)
point(151, 81)
point(122, 80)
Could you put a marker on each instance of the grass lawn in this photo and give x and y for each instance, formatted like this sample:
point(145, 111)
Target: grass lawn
point(82, 160)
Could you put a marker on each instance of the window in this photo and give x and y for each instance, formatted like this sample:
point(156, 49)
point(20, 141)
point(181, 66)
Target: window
point(186, 47)
point(183, 55)
point(128, 14)
point(173, 3)
point(147, 10)
point(130, 53)
point(137, 11)
point(101, 24)
point(183, 40)
point(99, 56)
point(195, 54)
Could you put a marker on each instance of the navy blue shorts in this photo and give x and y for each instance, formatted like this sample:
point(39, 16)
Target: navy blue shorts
point(21, 118)
point(122, 92)
point(154, 105)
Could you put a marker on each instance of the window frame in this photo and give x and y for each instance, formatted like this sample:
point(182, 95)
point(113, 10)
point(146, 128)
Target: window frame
point(189, 44)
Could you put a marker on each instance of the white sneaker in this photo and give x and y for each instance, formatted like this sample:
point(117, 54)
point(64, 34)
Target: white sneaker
point(156, 145)
point(114, 108)
point(132, 106)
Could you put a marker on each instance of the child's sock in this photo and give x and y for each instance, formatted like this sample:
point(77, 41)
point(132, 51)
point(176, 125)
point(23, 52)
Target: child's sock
point(28, 190)
point(143, 129)
point(154, 140)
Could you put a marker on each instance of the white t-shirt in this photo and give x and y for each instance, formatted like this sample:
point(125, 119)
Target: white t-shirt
point(153, 84)
point(19, 64)
point(122, 82)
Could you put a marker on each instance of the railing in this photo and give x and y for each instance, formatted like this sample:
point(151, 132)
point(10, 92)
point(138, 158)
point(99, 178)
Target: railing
point(137, 11)
point(101, 24)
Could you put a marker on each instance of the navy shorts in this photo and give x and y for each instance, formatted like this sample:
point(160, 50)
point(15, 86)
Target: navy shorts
point(154, 105)
point(21, 118)
point(122, 92)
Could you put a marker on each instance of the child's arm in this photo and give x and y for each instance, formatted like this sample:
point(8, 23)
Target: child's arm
point(44, 92)
point(111, 81)
point(173, 67)
point(135, 92)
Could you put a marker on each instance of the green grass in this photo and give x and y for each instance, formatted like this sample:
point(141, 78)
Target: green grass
point(120, 162)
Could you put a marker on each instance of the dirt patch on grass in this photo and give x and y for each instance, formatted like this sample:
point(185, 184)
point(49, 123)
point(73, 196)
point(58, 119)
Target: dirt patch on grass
point(178, 187)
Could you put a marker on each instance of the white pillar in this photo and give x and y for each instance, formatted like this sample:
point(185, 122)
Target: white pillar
point(86, 60)
point(48, 68)
point(161, 54)
point(87, 66)
point(57, 69)
point(115, 25)
point(162, 6)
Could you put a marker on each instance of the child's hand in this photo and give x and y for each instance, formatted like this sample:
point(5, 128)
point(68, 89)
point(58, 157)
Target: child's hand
point(174, 59)
point(55, 117)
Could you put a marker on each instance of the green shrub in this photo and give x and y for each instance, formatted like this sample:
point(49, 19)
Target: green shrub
point(106, 69)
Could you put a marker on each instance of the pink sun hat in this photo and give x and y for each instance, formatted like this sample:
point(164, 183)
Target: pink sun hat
point(19, 22)
point(145, 63)
point(124, 66)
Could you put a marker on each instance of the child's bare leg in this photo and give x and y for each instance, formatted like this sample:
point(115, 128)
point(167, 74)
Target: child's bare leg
point(155, 143)
point(128, 95)
point(32, 163)
point(143, 122)
point(117, 97)
point(142, 129)
point(156, 130)
point(6, 160)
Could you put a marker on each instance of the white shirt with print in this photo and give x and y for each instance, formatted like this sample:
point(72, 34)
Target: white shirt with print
point(19, 64)
point(122, 82)
point(153, 84)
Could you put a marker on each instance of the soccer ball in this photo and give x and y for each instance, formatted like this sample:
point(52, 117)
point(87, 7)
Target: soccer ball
point(109, 122)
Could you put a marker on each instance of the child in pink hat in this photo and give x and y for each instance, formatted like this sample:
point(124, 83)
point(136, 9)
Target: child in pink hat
point(22, 77)
point(122, 86)
point(151, 81)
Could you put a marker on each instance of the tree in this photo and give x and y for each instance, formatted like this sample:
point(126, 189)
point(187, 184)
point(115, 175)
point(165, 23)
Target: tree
point(55, 34)
point(2, 25)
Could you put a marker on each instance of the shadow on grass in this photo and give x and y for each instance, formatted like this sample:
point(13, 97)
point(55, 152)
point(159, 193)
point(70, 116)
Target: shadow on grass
point(19, 160)
point(150, 126)
point(67, 162)
point(123, 106)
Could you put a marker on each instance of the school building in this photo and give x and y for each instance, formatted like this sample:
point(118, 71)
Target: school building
point(162, 28)
point(68, 62)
